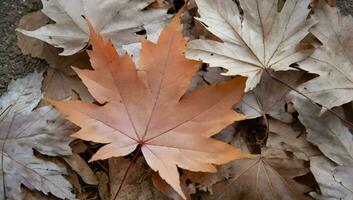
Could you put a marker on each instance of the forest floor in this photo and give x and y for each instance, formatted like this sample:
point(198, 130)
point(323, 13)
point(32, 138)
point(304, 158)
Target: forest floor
point(13, 64)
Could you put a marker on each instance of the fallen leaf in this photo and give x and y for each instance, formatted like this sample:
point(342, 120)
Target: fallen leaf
point(333, 185)
point(333, 139)
point(103, 185)
point(60, 81)
point(116, 20)
point(59, 85)
point(332, 61)
point(264, 177)
point(30, 195)
point(168, 191)
point(327, 131)
point(24, 129)
point(290, 138)
point(137, 185)
point(259, 40)
point(78, 146)
point(147, 109)
point(269, 97)
point(80, 167)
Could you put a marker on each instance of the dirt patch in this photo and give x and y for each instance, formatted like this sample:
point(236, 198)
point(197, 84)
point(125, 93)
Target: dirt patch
point(346, 6)
point(13, 64)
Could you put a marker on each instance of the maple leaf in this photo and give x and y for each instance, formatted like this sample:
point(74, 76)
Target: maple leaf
point(147, 109)
point(23, 129)
point(333, 61)
point(270, 96)
point(267, 177)
point(334, 182)
point(334, 140)
point(290, 138)
point(60, 81)
point(260, 39)
point(117, 20)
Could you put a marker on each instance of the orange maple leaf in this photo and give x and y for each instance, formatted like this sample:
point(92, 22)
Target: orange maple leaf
point(148, 108)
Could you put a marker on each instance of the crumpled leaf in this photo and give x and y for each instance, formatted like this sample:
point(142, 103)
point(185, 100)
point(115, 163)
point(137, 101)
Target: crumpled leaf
point(334, 182)
point(260, 39)
point(59, 85)
point(333, 139)
point(147, 109)
point(269, 98)
point(24, 129)
point(116, 20)
point(266, 177)
point(60, 81)
point(290, 138)
point(332, 61)
point(137, 185)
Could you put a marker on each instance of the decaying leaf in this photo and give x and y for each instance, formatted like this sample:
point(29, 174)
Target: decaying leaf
point(80, 167)
point(116, 20)
point(146, 109)
point(260, 39)
point(290, 138)
point(103, 185)
point(333, 61)
point(270, 96)
point(137, 185)
point(333, 139)
point(266, 177)
point(335, 183)
point(60, 81)
point(24, 129)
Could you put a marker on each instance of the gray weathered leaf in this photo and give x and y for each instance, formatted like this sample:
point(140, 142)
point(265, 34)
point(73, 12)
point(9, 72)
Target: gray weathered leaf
point(331, 180)
point(24, 129)
point(335, 141)
point(260, 39)
point(333, 61)
point(116, 20)
point(267, 177)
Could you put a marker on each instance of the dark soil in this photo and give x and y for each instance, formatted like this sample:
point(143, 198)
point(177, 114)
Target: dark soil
point(14, 65)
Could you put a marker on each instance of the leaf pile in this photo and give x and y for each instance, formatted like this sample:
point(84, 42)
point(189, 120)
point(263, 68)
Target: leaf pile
point(241, 99)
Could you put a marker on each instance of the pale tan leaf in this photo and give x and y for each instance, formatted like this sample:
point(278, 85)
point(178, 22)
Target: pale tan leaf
point(333, 61)
point(260, 39)
point(167, 190)
point(116, 20)
point(60, 81)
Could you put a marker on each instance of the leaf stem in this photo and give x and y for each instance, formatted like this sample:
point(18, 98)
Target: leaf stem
point(137, 154)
